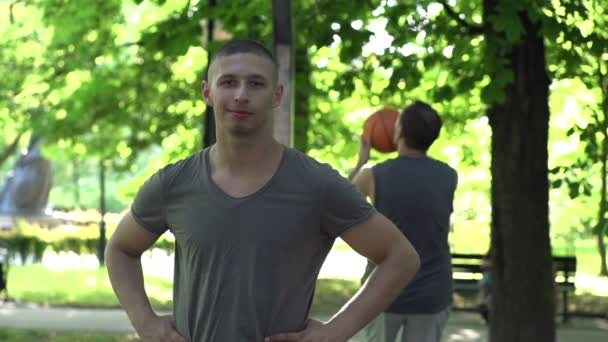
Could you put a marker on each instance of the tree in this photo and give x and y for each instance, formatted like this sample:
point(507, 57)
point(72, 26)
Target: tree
point(20, 47)
point(499, 46)
point(586, 46)
point(523, 300)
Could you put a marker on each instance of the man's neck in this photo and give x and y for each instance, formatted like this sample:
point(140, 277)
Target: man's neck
point(246, 154)
point(407, 151)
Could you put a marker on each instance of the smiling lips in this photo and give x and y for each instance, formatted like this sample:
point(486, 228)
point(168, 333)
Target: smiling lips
point(240, 114)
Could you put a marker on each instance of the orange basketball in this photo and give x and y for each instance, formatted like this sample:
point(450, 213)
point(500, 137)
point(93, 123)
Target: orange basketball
point(379, 129)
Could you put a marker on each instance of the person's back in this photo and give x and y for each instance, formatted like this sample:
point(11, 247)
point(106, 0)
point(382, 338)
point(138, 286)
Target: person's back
point(416, 193)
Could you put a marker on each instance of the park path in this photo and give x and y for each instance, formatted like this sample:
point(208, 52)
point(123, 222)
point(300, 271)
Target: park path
point(462, 327)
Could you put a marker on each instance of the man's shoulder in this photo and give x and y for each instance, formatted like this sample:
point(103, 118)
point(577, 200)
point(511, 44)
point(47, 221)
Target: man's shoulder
point(307, 163)
point(421, 163)
point(309, 169)
point(442, 164)
point(173, 170)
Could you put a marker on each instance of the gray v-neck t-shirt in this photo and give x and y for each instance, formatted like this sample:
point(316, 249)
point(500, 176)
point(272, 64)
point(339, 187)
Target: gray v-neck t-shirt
point(246, 268)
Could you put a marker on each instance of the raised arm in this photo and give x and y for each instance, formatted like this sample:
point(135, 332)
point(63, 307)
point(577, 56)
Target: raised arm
point(364, 153)
point(123, 260)
point(364, 181)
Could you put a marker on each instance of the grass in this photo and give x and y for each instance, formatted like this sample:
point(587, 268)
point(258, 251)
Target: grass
point(91, 288)
point(77, 287)
point(331, 294)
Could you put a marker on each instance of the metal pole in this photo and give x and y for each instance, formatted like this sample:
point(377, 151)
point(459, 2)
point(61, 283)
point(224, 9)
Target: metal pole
point(102, 210)
point(283, 48)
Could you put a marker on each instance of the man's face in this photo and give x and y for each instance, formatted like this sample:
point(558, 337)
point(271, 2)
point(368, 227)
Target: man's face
point(243, 91)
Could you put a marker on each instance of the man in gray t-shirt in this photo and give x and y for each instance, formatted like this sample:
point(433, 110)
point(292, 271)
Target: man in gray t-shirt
point(253, 222)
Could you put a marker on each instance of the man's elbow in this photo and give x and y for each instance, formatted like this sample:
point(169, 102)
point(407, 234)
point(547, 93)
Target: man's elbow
point(416, 263)
point(408, 256)
point(109, 251)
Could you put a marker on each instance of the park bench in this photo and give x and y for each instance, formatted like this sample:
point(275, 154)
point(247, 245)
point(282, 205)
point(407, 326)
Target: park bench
point(467, 271)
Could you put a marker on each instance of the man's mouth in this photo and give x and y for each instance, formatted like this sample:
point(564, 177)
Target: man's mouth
point(240, 113)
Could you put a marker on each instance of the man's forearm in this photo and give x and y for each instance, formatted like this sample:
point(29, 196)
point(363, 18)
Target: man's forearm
point(127, 280)
point(354, 171)
point(384, 284)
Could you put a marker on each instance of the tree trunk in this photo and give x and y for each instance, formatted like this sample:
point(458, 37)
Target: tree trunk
point(601, 222)
point(523, 297)
point(602, 250)
point(209, 121)
point(302, 93)
point(603, 207)
point(76, 181)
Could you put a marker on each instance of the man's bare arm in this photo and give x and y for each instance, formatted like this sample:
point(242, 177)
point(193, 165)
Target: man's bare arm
point(397, 262)
point(123, 260)
point(364, 181)
point(364, 153)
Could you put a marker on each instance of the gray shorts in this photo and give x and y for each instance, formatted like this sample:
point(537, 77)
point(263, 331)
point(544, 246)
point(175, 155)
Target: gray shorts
point(414, 328)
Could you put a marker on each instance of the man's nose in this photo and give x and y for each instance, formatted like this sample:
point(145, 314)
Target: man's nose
point(241, 93)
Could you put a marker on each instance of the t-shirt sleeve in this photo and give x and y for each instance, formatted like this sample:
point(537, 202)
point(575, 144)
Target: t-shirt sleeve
point(343, 205)
point(148, 208)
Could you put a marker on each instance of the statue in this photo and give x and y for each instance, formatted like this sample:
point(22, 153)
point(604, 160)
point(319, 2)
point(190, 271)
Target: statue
point(26, 190)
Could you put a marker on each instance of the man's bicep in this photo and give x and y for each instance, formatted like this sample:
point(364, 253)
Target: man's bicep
point(131, 237)
point(375, 238)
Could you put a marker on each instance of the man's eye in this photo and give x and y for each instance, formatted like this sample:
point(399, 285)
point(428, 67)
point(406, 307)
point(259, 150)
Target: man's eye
point(227, 82)
point(257, 83)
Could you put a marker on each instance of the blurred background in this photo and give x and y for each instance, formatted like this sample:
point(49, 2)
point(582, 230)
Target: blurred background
point(97, 95)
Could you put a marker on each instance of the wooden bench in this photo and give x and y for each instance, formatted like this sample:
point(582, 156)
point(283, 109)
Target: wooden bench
point(467, 271)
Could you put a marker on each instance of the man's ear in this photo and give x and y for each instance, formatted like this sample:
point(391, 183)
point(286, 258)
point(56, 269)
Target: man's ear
point(205, 91)
point(398, 133)
point(278, 96)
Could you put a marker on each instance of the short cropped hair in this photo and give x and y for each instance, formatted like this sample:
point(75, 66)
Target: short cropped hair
point(420, 125)
point(245, 46)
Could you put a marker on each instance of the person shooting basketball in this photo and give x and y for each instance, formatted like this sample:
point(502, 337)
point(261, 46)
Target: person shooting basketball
point(379, 133)
point(416, 193)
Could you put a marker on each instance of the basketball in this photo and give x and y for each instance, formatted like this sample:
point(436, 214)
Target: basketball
point(379, 129)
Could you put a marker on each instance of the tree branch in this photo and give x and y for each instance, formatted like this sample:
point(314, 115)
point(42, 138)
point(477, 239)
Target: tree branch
point(10, 149)
point(127, 44)
point(470, 28)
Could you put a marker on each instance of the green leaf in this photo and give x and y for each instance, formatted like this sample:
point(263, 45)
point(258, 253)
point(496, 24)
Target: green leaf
point(556, 184)
point(587, 189)
point(508, 22)
point(444, 93)
point(574, 189)
point(551, 28)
